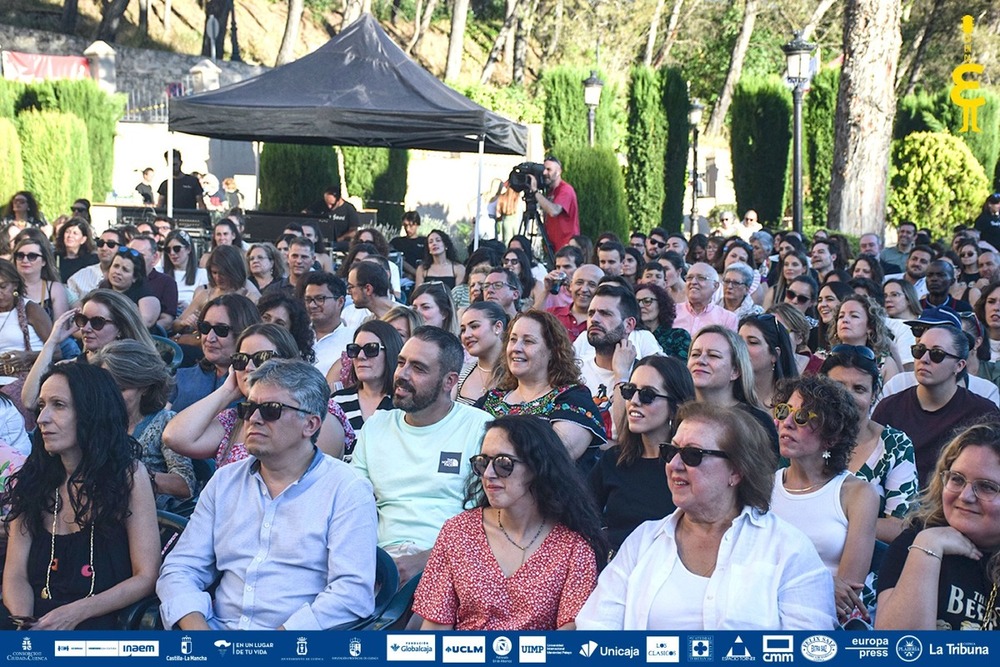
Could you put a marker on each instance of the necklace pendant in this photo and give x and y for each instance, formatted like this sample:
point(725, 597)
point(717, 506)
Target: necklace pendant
point(45, 593)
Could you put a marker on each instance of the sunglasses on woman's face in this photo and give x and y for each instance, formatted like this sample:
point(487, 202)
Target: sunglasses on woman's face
point(801, 299)
point(690, 456)
point(221, 330)
point(96, 322)
point(503, 465)
point(241, 360)
point(801, 416)
point(646, 395)
point(371, 350)
point(29, 256)
point(937, 356)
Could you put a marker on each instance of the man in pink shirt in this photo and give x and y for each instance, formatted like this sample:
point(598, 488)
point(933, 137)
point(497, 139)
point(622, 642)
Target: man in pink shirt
point(562, 220)
point(698, 311)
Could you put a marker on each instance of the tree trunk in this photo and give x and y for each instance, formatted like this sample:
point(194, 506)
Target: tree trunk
point(111, 18)
point(821, 10)
point(417, 15)
point(654, 26)
point(671, 36)
point(70, 13)
point(498, 44)
point(425, 25)
point(286, 53)
point(167, 4)
point(143, 17)
point(456, 40)
point(866, 106)
point(508, 47)
point(919, 49)
point(718, 116)
point(557, 20)
point(397, 7)
point(525, 22)
point(220, 10)
point(352, 11)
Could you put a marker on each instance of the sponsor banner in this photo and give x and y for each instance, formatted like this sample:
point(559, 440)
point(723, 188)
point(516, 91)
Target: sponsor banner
point(33, 67)
point(506, 649)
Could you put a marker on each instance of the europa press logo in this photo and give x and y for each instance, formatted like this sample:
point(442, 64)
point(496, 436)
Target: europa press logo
point(909, 648)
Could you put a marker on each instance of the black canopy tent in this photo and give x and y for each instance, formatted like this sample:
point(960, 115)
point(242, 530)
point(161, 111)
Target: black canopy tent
point(359, 89)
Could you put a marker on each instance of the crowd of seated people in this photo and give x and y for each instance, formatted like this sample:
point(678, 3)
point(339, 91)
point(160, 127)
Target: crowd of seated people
point(742, 423)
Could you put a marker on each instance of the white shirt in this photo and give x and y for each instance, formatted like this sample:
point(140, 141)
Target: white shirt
point(768, 576)
point(644, 342)
point(82, 282)
point(903, 338)
point(329, 348)
point(977, 385)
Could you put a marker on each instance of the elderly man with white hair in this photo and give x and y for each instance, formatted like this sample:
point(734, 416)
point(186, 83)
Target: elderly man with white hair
point(698, 311)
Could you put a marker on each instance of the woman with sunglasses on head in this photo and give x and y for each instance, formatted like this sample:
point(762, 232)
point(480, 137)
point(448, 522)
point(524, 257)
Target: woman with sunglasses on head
point(722, 560)
point(883, 455)
point(628, 482)
point(481, 333)
point(22, 328)
point(793, 265)
point(36, 264)
point(74, 247)
point(83, 541)
point(658, 312)
point(943, 571)
point(127, 276)
point(213, 427)
point(432, 301)
point(817, 424)
point(145, 383)
point(180, 261)
point(373, 356)
point(220, 323)
point(526, 557)
point(541, 377)
point(861, 322)
point(771, 354)
point(440, 262)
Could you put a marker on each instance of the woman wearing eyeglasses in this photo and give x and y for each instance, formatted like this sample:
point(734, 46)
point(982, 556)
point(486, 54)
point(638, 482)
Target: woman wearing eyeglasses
point(793, 265)
point(943, 571)
point(628, 482)
point(74, 247)
point(527, 556)
point(721, 561)
point(267, 268)
point(658, 311)
point(37, 265)
point(929, 411)
point(212, 427)
point(817, 424)
point(373, 356)
point(180, 261)
point(861, 322)
point(771, 355)
point(220, 323)
point(127, 276)
point(481, 333)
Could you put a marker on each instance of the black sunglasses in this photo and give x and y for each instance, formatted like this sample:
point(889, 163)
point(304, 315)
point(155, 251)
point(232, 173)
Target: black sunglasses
point(860, 350)
point(503, 464)
point(646, 395)
point(96, 322)
point(658, 244)
point(937, 356)
point(30, 256)
point(100, 243)
point(221, 330)
point(78, 209)
point(791, 295)
point(173, 248)
point(241, 360)
point(691, 456)
point(269, 411)
point(371, 350)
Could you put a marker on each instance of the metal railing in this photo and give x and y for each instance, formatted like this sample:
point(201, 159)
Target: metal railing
point(148, 105)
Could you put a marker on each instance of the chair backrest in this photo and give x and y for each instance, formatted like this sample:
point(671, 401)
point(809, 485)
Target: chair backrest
point(397, 613)
point(386, 580)
point(171, 526)
point(170, 351)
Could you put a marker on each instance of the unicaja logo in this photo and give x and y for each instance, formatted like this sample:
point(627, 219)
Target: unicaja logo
point(588, 649)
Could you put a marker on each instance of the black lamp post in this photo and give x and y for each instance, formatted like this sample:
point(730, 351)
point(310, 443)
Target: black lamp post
point(798, 53)
point(592, 97)
point(694, 119)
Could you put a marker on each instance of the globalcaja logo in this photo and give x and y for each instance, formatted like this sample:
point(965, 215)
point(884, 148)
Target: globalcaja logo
point(531, 649)
point(588, 649)
point(411, 648)
point(818, 648)
point(778, 648)
point(354, 647)
point(502, 646)
point(738, 651)
point(909, 648)
point(663, 649)
point(700, 648)
point(463, 649)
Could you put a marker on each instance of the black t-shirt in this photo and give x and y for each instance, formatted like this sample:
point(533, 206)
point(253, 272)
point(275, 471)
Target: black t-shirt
point(187, 191)
point(343, 219)
point(413, 249)
point(963, 587)
point(629, 495)
point(146, 191)
point(988, 227)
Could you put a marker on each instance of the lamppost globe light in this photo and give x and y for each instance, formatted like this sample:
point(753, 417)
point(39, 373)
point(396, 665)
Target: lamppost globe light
point(592, 86)
point(694, 119)
point(694, 113)
point(798, 58)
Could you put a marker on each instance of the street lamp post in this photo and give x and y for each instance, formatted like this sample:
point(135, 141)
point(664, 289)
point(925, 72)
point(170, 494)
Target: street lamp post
point(798, 54)
point(592, 97)
point(694, 119)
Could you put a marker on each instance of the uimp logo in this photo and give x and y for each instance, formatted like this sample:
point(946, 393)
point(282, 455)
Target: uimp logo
point(818, 648)
point(587, 650)
point(531, 649)
point(663, 649)
point(463, 649)
point(411, 648)
point(502, 646)
point(909, 648)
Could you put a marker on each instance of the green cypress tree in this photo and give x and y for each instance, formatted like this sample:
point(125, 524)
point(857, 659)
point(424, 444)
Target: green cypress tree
point(819, 116)
point(646, 140)
point(44, 137)
point(676, 104)
point(600, 188)
point(12, 175)
point(292, 176)
point(378, 176)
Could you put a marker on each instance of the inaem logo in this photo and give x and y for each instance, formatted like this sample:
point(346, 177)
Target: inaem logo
point(222, 645)
point(588, 649)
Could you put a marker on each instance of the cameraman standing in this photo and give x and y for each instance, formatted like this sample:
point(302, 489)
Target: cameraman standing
point(562, 221)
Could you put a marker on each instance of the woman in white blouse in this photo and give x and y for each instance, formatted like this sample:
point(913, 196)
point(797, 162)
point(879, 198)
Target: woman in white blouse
point(721, 561)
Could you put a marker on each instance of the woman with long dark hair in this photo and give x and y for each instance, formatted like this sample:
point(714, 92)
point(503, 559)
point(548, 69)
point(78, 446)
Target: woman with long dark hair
point(440, 262)
point(481, 333)
point(127, 276)
point(22, 211)
point(373, 356)
point(83, 541)
point(74, 247)
point(290, 314)
point(772, 356)
point(527, 556)
point(180, 261)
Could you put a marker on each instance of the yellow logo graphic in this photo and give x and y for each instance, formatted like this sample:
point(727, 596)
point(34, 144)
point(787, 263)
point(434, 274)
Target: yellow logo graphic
point(969, 105)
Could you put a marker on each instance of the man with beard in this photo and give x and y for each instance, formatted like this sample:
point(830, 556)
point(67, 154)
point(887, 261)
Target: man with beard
point(611, 317)
point(417, 455)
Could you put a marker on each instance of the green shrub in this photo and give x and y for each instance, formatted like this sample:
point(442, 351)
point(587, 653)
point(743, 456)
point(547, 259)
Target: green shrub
point(646, 140)
point(378, 176)
point(761, 136)
point(45, 136)
point(597, 179)
point(566, 113)
point(78, 154)
point(512, 102)
point(818, 120)
point(936, 182)
point(676, 103)
point(10, 97)
point(292, 176)
point(12, 175)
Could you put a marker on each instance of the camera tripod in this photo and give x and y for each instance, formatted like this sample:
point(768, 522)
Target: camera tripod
point(533, 228)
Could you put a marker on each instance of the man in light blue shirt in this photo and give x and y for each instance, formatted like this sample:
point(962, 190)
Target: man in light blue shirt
point(417, 456)
point(289, 533)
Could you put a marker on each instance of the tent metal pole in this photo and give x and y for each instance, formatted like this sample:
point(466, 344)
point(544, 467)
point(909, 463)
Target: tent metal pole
point(256, 172)
point(479, 192)
point(170, 174)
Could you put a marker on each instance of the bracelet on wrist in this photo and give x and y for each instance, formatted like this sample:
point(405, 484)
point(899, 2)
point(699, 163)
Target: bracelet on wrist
point(926, 551)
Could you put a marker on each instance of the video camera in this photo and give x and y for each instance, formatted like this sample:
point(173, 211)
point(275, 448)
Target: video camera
point(519, 181)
